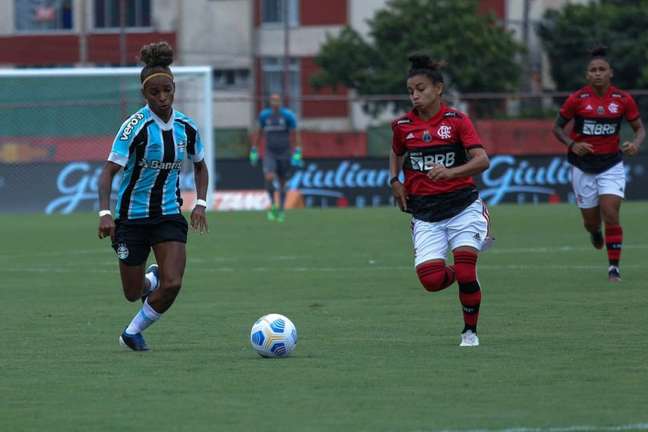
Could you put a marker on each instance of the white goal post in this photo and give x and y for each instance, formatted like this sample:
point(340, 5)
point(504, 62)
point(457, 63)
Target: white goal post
point(56, 126)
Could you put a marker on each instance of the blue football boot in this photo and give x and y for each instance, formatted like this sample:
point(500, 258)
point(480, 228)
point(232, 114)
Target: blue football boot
point(134, 342)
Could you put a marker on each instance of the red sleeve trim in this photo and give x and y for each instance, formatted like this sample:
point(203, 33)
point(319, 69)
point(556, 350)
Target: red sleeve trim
point(636, 118)
point(472, 146)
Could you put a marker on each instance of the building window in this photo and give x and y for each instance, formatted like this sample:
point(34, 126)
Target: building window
point(231, 79)
point(107, 13)
point(273, 76)
point(272, 12)
point(43, 15)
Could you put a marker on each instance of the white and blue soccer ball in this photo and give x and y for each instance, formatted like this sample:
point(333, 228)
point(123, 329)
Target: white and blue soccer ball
point(273, 335)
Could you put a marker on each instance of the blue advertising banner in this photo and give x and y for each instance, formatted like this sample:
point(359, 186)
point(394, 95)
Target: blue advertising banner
point(364, 182)
point(68, 187)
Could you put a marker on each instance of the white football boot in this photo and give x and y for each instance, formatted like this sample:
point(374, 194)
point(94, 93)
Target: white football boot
point(469, 339)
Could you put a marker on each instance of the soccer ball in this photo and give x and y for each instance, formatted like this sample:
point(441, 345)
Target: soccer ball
point(273, 335)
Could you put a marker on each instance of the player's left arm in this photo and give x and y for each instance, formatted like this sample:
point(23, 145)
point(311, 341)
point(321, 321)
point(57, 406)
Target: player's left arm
point(296, 150)
point(298, 141)
point(201, 179)
point(291, 122)
point(198, 216)
point(631, 148)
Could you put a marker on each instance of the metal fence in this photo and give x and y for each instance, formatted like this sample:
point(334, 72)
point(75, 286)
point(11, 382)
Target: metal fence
point(55, 135)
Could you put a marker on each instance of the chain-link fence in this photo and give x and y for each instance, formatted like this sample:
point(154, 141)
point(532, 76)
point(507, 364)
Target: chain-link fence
point(56, 132)
point(339, 126)
point(57, 128)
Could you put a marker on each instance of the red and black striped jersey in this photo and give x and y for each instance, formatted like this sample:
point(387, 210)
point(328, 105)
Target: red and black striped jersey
point(443, 139)
point(597, 121)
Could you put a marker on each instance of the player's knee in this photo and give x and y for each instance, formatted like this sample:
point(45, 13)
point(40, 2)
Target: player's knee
point(432, 275)
point(591, 226)
point(465, 266)
point(469, 287)
point(132, 295)
point(171, 286)
point(610, 217)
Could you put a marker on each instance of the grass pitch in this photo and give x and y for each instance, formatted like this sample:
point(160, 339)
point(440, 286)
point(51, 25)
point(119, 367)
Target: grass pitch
point(561, 347)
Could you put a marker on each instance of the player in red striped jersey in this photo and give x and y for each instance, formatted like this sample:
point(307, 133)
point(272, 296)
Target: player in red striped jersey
point(438, 150)
point(598, 174)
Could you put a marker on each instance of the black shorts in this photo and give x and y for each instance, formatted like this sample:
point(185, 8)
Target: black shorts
point(278, 164)
point(134, 238)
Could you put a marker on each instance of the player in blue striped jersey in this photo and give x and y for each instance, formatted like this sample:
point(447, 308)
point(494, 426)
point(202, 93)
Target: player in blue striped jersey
point(151, 147)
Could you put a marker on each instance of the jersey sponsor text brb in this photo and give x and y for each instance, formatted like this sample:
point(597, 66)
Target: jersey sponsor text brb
point(597, 121)
point(445, 139)
point(425, 162)
point(594, 128)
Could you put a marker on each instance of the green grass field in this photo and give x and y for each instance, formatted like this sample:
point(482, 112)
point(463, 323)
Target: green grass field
point(562, 349)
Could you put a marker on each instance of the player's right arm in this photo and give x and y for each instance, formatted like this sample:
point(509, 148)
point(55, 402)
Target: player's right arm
point(398, 189)
point(395, 166)
point(567, 112)
point(254, 148)
point(117, 159)
point(106, 222)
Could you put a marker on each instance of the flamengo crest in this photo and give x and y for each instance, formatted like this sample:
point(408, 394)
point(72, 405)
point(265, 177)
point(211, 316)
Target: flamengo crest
point(444, 132)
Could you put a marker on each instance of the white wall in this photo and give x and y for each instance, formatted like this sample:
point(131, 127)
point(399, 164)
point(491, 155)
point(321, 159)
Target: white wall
point(304, 41)
point(6, 17)
point(165, 14)
point(232, 109)
point(216, 33)
point(360, 11)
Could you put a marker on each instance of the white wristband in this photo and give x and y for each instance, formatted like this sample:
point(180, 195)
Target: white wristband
point(201, 202)
point(103, 213)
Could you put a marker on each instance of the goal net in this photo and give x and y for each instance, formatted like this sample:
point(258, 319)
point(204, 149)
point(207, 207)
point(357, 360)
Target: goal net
point(57, 128)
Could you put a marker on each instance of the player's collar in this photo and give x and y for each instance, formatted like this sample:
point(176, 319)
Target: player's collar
point(611, 89)
point(165, 126)
point(414, 116)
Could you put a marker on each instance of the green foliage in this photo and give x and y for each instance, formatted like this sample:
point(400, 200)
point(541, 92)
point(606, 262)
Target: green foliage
point(480, 54)
point(568, 34)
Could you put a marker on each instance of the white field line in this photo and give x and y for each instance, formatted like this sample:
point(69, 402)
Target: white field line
point(494, 251)
point(576, 428)
point(112, 267)
point(554, 249)
point(108, 250)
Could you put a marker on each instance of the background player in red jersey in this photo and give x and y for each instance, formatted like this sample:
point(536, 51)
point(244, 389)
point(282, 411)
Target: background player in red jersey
point(438, 149)
point(598, 175)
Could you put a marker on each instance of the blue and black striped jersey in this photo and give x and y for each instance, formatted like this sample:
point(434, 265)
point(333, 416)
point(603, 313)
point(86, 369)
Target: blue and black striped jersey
point(277, 127)
point(152, 153)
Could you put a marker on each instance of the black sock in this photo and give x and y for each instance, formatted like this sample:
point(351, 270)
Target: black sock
point(269, 185)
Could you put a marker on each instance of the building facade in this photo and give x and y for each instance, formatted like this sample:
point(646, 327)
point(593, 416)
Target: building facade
point(248, 43)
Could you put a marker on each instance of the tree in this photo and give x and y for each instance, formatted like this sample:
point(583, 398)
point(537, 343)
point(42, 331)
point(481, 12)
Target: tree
point(569, 33)
point(481, 55)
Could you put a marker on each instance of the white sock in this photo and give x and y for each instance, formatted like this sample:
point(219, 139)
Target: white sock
point(152, 280)
point(143, 319)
